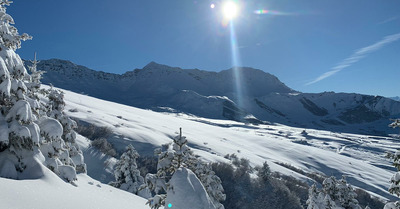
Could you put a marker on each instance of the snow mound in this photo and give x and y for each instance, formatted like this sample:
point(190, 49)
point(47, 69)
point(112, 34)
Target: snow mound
point(50, 128)
point(50, 191)
point(186, 191)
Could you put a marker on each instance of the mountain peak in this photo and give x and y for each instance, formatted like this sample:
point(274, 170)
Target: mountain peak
point(156, 66)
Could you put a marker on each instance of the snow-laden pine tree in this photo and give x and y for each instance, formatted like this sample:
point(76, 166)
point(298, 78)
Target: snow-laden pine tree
point(211, 182)
point(264, 172)
point(335, 194)
point(70, 154)
point(169, 160)
point(127, 174)
point(346, 195)
point(179, 156)
point(315, 198)
point(328, 203)
point(19, 134)
point(395, 181)
point(33, 85)
point(24, 125)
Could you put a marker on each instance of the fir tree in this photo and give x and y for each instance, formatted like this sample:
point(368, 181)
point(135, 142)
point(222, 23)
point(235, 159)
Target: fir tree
point(24, 126)
point(71, 154)
point(314, 201)
point(127, 174)
point(395, 180)
point(329, 203)
point(211, 182)
point(170, 160)
point(347, 195)
point(34, 85)
point(264, 172)
point(19, 134)
point(335, 194)
point(179, 156)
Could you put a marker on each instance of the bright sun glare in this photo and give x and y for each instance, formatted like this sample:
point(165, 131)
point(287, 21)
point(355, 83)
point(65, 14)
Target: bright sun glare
point(230, 10)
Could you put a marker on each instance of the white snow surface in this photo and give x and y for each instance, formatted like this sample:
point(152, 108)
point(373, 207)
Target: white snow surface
point(52, 192)
point(51, 127)
point(359, 157)
point(186, 191)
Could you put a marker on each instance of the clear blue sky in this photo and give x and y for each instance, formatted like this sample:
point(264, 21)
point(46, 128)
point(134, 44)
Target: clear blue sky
point(299, 42)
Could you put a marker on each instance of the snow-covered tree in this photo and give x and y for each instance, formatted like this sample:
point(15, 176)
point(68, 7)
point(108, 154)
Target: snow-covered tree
point(71, 154)
point(328, 203)
point(347, 195)
point(157, 201)
point(173, 158)
point(315, 199)
point(211, 182)
point(264, 172)
point(33, 84)
point(335, 194)
point(169, 160)
point(127, 174)
point(179, 156)
point(19, 134)
point(10, 38)
point(395, 180)
point(34, 80)
point(24, 125)
point(395, 124)
point(341, 192)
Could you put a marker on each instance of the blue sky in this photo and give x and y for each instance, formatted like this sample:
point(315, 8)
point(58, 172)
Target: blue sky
point(300, 42)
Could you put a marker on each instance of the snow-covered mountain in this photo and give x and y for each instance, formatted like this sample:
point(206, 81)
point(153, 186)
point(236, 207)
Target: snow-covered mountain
point(213, 95)
point(361, 158)
point(395, 98)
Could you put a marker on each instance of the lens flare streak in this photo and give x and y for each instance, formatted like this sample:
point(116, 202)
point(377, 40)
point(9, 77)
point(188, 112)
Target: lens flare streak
point(236, 70)
point(269, 12)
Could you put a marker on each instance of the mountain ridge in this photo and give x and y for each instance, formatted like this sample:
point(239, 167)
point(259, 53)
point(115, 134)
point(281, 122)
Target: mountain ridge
point(395, 98)
point(213, 95)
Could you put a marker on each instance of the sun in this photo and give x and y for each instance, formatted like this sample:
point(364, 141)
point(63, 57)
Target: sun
point(230, 10)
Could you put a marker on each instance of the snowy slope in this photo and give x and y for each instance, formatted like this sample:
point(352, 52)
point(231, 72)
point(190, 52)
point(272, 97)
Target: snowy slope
point(213, 95)
point(343, 112)
point(359, 157)
point(52, 192)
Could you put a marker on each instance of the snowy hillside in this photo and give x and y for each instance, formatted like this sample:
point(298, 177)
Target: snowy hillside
point(359, 157)
point(52, 192)
point(212, 95)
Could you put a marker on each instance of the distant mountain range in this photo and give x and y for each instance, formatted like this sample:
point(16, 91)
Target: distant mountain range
point(213, 95)
point(395, 98)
